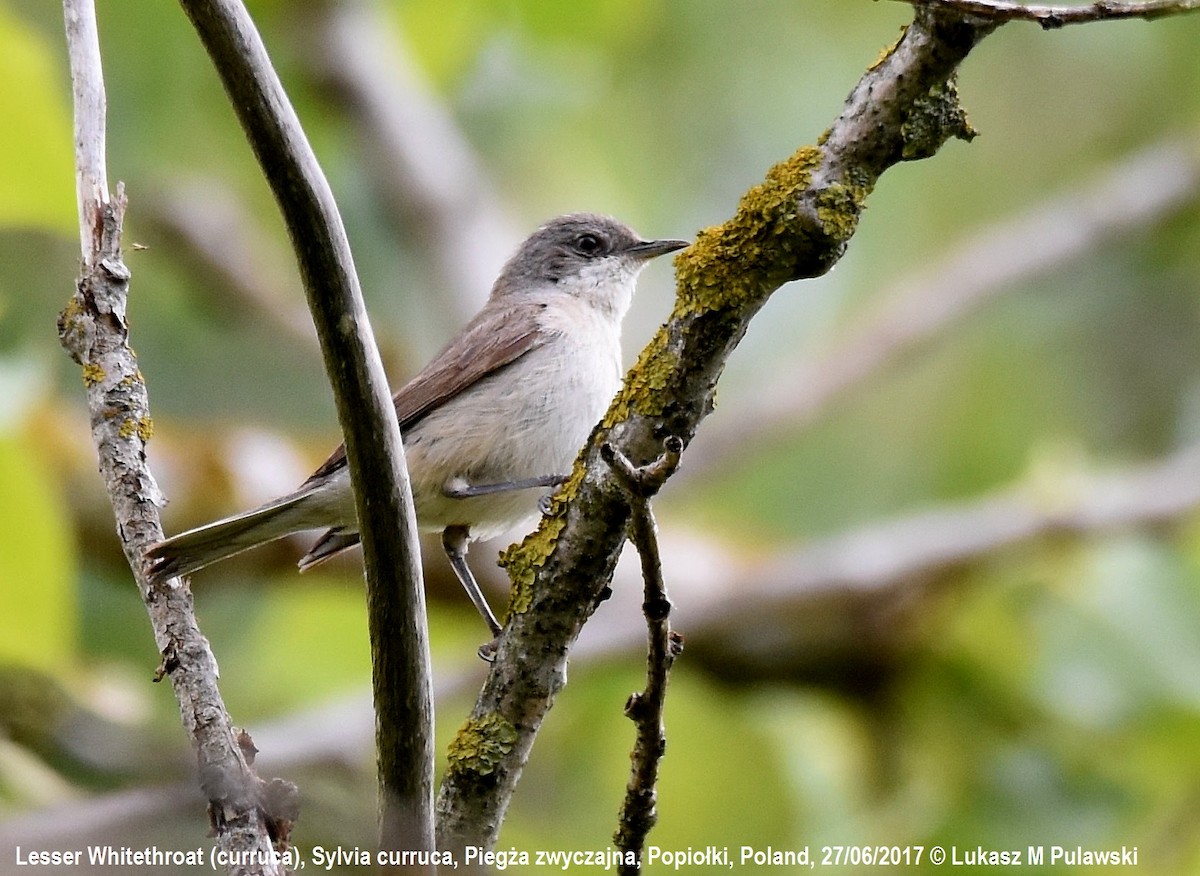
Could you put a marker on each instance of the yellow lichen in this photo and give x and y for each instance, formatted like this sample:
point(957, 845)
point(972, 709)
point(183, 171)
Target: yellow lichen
point(730, 264)
point(143, 427)
point(642, 390)
point(838, 208)
point(93, 374)
point(523, 559)
point(887, 52)
point(480, 744)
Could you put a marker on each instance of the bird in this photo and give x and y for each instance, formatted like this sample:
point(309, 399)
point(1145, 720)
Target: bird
point(490, 424)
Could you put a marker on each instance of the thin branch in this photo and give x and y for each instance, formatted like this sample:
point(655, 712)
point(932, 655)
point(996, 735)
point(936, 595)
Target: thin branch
point(639, 811)
point(395, 597)
point(1127, 198)
point(795, 224)
point(1051, 16)
point(91, 108)
point(94, 331)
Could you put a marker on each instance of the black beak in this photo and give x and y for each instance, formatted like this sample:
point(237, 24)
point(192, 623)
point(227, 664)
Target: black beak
point(648, 249)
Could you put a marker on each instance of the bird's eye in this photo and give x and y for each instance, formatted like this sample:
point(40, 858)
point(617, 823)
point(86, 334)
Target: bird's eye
point(588, 244)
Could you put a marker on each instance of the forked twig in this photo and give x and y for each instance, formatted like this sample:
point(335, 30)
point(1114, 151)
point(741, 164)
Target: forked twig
point(645, 709)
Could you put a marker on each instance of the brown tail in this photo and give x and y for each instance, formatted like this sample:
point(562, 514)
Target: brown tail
point(192, 550)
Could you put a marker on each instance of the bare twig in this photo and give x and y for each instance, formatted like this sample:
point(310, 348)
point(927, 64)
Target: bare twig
point(94, 331)
point(395, 598)
point(1051, 16)
point(638, 811)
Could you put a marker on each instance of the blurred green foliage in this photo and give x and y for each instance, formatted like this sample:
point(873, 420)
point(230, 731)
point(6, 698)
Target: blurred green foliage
point(39, 624)
point(1045, 694)
point(36, 178)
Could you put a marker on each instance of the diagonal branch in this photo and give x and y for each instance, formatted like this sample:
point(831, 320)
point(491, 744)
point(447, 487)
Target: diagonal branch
point(795, 224)
point(94, 331)
point(395, 598)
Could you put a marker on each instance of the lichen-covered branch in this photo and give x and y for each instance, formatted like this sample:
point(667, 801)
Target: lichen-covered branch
point(639, 811)
point(93, 329)
point(795, 224)
point(395, 596)
point(1131, 196)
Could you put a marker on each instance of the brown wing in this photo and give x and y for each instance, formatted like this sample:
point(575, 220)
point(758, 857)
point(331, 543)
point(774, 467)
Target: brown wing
point(491, 341)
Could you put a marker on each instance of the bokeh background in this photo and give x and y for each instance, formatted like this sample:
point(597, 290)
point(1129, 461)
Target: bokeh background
point(936, 555)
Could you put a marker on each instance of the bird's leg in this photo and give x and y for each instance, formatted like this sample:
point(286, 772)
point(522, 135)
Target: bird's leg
point(460, 489)
point(455, 538)
point(454, 542)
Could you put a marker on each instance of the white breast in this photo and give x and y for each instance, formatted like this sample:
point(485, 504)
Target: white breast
point(528, 420)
